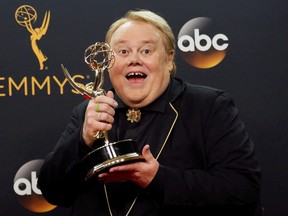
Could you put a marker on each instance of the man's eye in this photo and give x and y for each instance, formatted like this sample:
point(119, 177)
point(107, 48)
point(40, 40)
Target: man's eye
point(146, 51)
point(123, 52)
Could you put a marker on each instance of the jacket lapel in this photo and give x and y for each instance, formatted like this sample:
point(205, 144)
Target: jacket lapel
point(161, 131)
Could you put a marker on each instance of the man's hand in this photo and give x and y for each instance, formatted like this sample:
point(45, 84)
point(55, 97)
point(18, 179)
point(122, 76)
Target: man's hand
point(99, 116)
point(140, 173)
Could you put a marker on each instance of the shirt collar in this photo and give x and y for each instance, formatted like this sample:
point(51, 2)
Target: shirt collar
point(158, 105)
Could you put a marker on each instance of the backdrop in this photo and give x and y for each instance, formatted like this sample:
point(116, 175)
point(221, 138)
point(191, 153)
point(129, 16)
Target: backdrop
point(245, 46)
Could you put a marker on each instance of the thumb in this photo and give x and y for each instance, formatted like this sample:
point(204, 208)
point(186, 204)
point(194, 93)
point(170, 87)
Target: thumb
point(147, 153)
point(110, 94)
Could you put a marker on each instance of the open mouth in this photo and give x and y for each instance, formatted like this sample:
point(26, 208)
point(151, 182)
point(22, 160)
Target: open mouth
point(136, 75)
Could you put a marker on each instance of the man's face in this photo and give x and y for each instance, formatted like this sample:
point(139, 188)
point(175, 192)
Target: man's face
point(140, 73)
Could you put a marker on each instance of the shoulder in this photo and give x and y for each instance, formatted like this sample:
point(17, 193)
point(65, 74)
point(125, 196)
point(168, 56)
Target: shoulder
point(199, 92)
point(201, 98)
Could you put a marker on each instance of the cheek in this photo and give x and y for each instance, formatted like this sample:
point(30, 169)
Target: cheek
point(115, 69)
point(114, 75)
point(117, 66)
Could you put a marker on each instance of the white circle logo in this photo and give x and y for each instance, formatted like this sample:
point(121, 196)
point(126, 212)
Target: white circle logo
point(200, 44)
point(25, 187)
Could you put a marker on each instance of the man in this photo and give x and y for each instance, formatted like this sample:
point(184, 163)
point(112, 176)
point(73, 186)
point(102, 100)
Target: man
point(199, 160)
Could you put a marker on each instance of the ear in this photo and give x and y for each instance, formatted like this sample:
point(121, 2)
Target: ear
point(171, 55)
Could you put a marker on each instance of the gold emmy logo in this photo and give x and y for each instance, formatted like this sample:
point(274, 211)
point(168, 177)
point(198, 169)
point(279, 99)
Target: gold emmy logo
point(25, 15)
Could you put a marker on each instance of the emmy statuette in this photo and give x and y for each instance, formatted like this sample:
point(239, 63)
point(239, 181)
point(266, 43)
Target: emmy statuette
point(99, 57)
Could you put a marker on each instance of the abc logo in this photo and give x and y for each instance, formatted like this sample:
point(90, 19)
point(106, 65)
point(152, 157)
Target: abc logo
point(25, 187)
point(200, 44)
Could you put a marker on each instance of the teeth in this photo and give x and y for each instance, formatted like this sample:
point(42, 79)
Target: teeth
point(136, 74)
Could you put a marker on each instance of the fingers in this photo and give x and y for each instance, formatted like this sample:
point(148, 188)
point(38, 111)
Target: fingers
point(106, 99)
point(110, 94)
point(132, 167)
point(140, 173)
point(99, 116)
point(102, 112)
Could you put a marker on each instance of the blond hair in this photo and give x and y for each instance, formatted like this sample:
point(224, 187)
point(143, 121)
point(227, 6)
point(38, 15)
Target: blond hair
point(151, 18)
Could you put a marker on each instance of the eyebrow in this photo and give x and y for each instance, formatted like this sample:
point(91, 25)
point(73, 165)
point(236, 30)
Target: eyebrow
point(142, 42)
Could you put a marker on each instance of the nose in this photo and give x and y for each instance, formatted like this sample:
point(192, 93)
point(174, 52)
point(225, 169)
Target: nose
point(134, 58)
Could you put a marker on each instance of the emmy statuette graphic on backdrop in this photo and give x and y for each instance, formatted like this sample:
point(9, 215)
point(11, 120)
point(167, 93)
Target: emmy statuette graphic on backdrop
point(25, 15)
point(99, 57)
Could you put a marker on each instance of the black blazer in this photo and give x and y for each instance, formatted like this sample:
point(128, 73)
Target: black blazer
point(207, 162)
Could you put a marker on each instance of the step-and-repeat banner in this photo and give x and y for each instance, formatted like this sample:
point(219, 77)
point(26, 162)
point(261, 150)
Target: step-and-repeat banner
point(239, 46)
